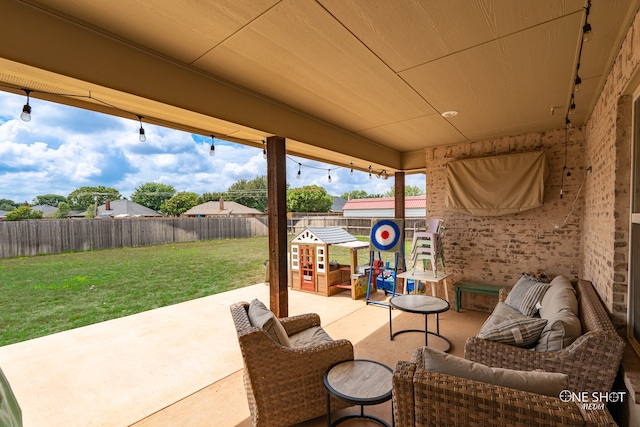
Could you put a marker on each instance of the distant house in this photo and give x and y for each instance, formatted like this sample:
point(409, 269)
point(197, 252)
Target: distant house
point(221, 208)
point(47, 211)
point(338, 204)
point(124, 209)
point(415, 207)
point(3, 215)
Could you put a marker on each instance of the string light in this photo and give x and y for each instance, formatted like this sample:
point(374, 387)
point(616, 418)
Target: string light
point(329, 174)
point(212, 150)
point(299, 173)
point(264, 149)
point(142, 136)
point(351, 171)
point(26, 110)
point(586, 29)
point(369, 171)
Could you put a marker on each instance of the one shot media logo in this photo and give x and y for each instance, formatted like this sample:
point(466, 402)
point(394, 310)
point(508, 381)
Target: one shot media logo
point(595, 400)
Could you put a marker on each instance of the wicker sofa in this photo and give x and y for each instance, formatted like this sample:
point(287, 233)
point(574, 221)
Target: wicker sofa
point(425, 398)
point(284, 383)
point(591, 361)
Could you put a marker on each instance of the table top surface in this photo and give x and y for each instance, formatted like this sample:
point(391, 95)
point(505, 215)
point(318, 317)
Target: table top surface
point(360, 381)
point(424, 304)
point(423, 275)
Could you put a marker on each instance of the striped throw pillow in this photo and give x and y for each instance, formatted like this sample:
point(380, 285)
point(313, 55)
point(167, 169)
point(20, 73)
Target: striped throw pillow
point(525, 296)
point(523, 332)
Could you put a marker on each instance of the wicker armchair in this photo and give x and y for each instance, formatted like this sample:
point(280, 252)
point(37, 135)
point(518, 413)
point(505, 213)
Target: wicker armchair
point(284, 385)
point(591, 362)
point(424, 398)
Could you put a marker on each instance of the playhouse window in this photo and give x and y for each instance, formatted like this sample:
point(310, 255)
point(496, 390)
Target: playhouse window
point(320, 259)
point(295, 258)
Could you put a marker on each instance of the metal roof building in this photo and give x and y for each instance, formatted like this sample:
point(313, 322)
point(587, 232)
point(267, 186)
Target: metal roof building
point(415, 207)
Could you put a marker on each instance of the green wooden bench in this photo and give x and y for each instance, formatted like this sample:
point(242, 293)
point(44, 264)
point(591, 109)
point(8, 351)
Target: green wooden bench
point(478, 288)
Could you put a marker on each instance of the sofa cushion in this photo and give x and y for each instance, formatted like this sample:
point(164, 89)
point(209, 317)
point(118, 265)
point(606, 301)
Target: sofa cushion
point(547, 383)
point(560, 308)
point(261, 317)
point(310, 336)
point(523, 332)
point(526, 295)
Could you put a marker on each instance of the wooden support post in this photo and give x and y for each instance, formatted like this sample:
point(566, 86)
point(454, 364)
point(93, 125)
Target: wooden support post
point(277, 216)
point(400, 205)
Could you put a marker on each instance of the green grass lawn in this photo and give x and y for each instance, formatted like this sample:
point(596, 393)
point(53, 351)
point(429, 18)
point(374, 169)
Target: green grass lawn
point(43, 295)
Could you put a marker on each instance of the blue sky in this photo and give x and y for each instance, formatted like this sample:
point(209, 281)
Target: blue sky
point(63, 148)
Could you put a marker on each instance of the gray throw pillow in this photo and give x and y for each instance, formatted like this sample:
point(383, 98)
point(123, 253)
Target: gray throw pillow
point(523, 332)
point(261, 317)
point(526, 295)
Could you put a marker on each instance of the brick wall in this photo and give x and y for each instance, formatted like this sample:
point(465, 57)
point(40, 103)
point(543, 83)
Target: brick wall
point(498, 249)
point(608, 141)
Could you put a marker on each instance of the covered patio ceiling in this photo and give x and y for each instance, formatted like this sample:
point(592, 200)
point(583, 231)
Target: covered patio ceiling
point(360, 82)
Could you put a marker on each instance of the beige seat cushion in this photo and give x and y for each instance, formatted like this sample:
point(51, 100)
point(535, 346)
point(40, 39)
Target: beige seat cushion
point(309, 337)
point(261, 317)
point(546, 383)
point(560, 308)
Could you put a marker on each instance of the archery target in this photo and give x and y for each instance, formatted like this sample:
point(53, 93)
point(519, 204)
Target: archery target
point(385, 235)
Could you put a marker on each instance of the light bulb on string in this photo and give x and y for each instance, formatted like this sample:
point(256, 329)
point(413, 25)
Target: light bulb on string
point(142, 136)
point(329, 174)
point(369, 172)
point(351, 171)
point(26, 110)
point(212, 150)
point(264, 150)
point(299, 173)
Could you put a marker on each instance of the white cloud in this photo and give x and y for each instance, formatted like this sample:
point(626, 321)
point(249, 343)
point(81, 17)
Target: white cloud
point(63, 148)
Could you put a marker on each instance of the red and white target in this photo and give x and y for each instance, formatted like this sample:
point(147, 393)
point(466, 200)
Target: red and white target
point(385, 235)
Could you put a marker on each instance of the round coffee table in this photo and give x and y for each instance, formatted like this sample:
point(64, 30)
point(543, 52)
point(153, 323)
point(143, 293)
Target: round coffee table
point(422, 304)
point(358, 382)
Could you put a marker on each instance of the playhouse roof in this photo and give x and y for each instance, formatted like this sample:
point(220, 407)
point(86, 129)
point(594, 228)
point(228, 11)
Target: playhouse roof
point(327, 235)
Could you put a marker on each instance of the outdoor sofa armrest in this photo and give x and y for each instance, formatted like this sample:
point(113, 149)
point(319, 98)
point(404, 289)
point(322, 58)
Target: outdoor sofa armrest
point(295, 324)
point(426, 398)
point(591, 361)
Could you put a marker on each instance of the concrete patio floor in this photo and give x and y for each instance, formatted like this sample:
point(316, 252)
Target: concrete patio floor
point(181, 365)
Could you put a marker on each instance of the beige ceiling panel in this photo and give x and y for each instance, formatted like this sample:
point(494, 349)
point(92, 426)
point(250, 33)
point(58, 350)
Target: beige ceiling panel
point(515, 80)
point(427, 30)
point(298, 54)
point(184, 31)
point(409, 135)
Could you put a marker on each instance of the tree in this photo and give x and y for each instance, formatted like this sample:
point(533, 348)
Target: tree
point(310, 198)
point(409, 190)
point(179, 204)
point(23, 212)
point(8, 205)
point(355, 194)
point(62, 211)
point(152, 194)
point(84, 197)
point(49, 200)
point(252, 193)
point(211, 197)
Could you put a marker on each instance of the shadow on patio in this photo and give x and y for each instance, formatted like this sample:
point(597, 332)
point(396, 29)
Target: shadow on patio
point(181, 365)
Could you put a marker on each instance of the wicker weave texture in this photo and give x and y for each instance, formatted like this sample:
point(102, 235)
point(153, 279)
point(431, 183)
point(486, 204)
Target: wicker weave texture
point(424, 398)
point(284, 385)
point(591, 362)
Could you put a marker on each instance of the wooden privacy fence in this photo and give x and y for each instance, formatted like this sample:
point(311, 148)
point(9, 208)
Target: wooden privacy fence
point(37, 237)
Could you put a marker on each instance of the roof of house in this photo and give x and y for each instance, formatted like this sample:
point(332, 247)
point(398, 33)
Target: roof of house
point(338, 204)
point(411, 202)
point(124, 208)
point(327, 235)
point(45, 209)
point(229, 208)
